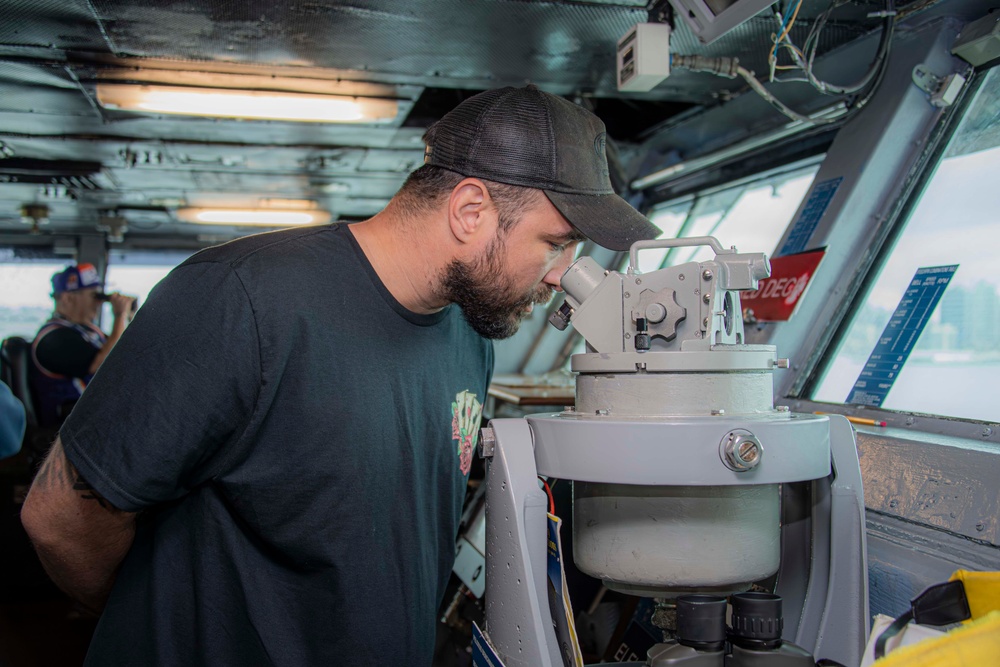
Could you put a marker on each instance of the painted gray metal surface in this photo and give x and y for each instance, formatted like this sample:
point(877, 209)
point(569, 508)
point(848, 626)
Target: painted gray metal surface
point(661, 394)
point(722, 359)
point(681, 451)
point(823, 578)
point(844, 617)
point(699, 301)
point(518, 621)
point(949, 485)
point(659, 541)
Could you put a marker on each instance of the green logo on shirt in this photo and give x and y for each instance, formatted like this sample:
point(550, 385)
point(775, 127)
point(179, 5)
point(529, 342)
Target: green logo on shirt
point(465, 413)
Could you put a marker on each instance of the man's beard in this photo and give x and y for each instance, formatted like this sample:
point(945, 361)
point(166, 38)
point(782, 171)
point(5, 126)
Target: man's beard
point(487, 296)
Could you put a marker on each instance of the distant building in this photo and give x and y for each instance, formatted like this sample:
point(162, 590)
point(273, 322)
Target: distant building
point(975, 315)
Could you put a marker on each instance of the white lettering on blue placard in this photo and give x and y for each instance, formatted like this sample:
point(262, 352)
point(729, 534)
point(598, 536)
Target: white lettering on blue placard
point(816, 205)
point(901, 334)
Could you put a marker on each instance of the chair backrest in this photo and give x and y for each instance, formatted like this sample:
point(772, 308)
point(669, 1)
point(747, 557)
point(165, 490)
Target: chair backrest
point(15, 359)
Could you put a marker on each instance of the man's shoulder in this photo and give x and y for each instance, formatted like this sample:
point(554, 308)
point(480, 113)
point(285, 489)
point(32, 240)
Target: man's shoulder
point(265, 245)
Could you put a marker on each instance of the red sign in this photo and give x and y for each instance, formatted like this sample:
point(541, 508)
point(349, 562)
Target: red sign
point(775, 298)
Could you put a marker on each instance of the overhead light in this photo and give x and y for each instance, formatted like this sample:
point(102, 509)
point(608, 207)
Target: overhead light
point(246, 104)
point(253, 216)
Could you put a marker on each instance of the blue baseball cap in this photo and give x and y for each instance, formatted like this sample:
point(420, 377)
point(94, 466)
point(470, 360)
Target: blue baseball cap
point(75, 278)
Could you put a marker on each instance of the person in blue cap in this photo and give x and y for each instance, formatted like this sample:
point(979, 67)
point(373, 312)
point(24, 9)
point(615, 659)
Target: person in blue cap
point(70, 347)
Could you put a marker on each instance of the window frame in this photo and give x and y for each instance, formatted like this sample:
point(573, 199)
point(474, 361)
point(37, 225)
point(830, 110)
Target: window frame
point(799, 398)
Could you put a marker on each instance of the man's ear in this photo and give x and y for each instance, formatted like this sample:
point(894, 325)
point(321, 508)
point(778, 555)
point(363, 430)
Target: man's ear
point(471, 213)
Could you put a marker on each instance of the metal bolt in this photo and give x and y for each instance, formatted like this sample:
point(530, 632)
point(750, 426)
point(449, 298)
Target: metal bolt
point(706, 298)
point(487, 442)
point(987, 431)
point(782, 408)
point(704, 323)
point(781, 363)
point(980, 526)
point(638, 282)
point(627, 295)
point(569, 408)
point(910, 421)
point(707, 274)
point(680, 277)
point(893, 503)
point(718, 412)
point(741, 450)
point(602, 412)
point(627, 335)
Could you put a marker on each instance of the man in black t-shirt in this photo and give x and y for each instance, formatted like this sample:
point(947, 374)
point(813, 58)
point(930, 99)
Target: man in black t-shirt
point(270, 467)
point(69, 348)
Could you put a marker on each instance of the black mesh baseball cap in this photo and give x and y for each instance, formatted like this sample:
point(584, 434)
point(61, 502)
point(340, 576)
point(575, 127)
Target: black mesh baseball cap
point(527, 137)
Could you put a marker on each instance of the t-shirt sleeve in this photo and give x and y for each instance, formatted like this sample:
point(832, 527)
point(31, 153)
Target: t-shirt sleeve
point(170, 403)
point(11, 422)
point(63, 351)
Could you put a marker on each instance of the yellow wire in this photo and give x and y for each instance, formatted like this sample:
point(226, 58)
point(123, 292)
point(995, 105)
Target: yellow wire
point(784, 34)
point(790, 23)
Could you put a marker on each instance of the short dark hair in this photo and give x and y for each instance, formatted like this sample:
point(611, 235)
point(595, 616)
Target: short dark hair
point(428, 185)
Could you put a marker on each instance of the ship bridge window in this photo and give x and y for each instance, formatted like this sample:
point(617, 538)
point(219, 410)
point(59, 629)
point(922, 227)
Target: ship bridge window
point(751, 215)
point(944, 360)
point(26, 276)
point(25, 300)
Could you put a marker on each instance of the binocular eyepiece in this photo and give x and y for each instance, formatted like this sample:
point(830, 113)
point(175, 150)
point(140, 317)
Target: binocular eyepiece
point(751, 639)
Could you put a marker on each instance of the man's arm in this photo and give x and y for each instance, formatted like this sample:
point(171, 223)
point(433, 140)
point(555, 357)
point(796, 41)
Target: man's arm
point(121, 310)
point(81, 539)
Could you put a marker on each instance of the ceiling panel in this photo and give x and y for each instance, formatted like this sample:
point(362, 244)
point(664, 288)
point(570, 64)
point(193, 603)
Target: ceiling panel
point(433, 52)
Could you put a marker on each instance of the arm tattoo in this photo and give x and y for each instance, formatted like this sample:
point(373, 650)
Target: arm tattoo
point(57, 472)
point(87, 492)
point(54, 472)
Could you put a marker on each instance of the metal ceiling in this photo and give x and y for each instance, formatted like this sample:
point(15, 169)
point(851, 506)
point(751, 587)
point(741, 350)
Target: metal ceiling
point(59, 148)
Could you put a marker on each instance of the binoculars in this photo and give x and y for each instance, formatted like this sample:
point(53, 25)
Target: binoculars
point(101, 296)
point(752, 638)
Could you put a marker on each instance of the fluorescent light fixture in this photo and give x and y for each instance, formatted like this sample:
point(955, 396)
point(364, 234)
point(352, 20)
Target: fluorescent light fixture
point(253, 216)
point(246, 104)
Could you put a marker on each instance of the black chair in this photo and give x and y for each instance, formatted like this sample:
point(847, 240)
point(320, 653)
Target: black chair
point(22, 578)
point(15, 358)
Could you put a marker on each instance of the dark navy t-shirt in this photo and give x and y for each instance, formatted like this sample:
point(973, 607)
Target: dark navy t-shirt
point(298, 442)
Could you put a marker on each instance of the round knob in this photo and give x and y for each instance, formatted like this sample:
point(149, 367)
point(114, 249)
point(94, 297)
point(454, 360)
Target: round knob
point(741, 450)
point(655, 313)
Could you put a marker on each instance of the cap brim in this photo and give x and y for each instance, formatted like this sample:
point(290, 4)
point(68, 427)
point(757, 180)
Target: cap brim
point(607, 220)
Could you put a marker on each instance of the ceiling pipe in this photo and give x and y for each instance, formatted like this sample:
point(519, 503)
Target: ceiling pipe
point(738, 149)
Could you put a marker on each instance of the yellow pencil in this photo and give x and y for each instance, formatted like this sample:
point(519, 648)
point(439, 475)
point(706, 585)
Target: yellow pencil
point(858, 420)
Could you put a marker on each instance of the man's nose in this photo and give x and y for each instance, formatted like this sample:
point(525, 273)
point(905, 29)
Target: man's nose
point(559, 268)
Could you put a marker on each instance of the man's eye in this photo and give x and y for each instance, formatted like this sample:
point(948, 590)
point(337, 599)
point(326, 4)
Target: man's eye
point(557, 247)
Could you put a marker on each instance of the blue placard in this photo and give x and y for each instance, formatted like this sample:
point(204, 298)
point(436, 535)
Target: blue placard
point(483, 654)
point(901, 334)
point(802, 231)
